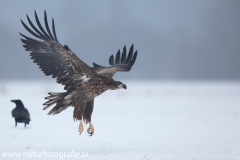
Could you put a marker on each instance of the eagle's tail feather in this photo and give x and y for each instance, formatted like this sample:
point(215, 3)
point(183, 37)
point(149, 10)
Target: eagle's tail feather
point(62, 100)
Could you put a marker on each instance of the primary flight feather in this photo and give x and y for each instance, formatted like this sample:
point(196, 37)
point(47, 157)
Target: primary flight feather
point(81, 82)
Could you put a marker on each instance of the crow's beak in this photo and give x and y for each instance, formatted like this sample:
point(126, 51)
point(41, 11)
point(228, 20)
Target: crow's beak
point(124, 86)
point(12, 100)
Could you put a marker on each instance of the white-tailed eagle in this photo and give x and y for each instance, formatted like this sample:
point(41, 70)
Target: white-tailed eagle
point(82, 83)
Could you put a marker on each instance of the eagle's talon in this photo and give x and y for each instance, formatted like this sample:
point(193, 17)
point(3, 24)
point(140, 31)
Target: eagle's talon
point(90, 129)
point(80, 127)
point(90, 133)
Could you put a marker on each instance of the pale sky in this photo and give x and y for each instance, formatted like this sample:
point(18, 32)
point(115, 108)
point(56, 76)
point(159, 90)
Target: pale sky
point(175, 39)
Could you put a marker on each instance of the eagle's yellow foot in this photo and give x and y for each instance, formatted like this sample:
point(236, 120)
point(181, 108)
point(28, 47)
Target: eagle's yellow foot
point(90, 129)
point(80, 127)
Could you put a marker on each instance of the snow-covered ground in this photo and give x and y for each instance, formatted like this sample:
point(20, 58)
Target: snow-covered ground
point(150, 120)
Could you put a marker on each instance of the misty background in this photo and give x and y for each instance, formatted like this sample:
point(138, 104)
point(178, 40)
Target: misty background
point(176, 40)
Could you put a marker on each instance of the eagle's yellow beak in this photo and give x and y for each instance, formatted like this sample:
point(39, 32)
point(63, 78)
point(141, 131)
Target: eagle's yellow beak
point(124, 86)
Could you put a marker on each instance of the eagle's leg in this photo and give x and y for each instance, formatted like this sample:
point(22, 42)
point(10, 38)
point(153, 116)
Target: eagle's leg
point(78, 111)
point(90, 129)
point(87, 116)
point(80, 127)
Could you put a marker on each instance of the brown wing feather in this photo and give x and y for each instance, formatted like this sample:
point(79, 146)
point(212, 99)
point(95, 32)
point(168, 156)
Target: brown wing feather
point(121, 63)
point(53, 58)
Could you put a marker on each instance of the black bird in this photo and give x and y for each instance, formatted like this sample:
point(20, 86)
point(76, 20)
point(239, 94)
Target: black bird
point(20, 113)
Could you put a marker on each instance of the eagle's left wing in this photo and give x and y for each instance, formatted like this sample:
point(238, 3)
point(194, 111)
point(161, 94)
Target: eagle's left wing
point(53, 58)
point(122, 63)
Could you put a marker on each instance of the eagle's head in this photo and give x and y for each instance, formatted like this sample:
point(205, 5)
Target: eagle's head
point(117, 85)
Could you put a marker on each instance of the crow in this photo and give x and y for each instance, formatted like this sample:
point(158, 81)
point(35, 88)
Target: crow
point(20, 113)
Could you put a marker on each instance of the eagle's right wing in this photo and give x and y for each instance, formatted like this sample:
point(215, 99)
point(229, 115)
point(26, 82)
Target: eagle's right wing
point(122, 63)
point(53, 58)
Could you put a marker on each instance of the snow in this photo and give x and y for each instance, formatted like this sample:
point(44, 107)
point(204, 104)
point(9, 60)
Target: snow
point(150, 120)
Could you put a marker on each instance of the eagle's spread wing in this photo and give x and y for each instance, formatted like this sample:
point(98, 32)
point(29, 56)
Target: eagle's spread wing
point(53, 58)
point(121, 63)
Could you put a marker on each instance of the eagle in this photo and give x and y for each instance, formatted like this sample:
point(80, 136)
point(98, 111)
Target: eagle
point(82, 83)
